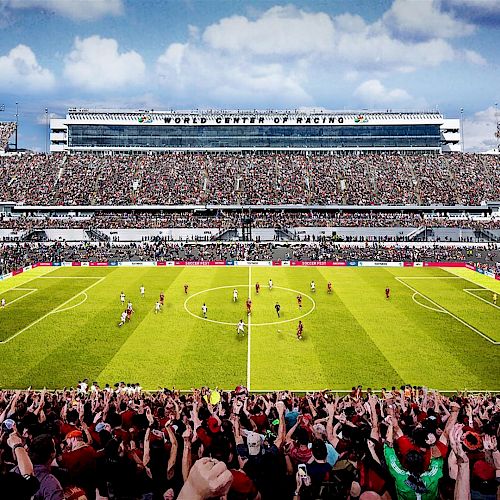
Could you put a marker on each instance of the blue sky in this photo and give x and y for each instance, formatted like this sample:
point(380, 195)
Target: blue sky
point(229, 54)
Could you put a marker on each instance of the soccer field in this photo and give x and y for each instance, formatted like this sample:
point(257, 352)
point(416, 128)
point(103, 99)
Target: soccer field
point(439, 328)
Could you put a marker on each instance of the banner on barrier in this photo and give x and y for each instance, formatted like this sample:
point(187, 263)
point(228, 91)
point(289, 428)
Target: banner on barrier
point(57, 264)
point(17, 271)
point(407, 264)
point(352, 263)
point(379, 264)
point(470, 266)
point(76, 264)
point(112, 263)
point(43, 264)
point(490, 274)
point(444, 264)
point(98, 264)
point(276, 262)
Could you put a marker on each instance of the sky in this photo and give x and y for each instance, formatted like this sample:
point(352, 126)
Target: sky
point(235, 54)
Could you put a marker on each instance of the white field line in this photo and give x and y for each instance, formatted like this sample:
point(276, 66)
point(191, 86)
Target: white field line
point(55, 310)
point(451, 270)
point(31, 290)
point(249, 326)
point(69, 277)
point(475, 330)
point(416, 294)
point(313, 302)
point(76, 305)
point(32, 279)
point(470, 290)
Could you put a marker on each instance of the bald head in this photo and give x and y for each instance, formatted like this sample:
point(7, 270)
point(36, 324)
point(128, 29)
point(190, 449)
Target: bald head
point(370, 495)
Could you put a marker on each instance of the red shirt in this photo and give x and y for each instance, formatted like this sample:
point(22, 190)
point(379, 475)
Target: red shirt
point(405, 446)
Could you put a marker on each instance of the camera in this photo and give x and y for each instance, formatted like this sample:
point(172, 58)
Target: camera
point(8, 426)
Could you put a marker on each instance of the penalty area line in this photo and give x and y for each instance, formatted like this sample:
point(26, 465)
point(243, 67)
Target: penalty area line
point(471, 290)
point(53, 311)
point(460, 320)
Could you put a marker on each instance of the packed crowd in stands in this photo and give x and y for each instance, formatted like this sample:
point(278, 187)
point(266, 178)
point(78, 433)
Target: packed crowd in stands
point(122, 443)
point(17, 255)
point(260, 219)
point(278, 178)
point(6, 131)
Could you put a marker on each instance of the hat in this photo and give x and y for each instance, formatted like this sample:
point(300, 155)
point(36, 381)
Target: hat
point(319, 429)
point(483, 471)
point(74, 434)
point(253, 443)
point(239, 390)
point(213, 425)
point(472, 440)
point(101, 426)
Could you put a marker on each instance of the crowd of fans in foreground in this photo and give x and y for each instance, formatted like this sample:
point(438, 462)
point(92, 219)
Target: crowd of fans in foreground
point(16, 255)
point(230, 220)
point(223, 178)
point(121, 443)
point(6, 131)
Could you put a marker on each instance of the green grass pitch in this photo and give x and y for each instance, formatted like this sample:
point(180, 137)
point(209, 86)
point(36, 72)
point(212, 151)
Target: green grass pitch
point(439, 328)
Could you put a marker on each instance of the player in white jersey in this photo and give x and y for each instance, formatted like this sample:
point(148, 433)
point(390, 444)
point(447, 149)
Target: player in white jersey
point(129, 306)
point(3, 303)
point(123, 318)
point(204, 310)
point(122, 298)
point(313, 286)
point(240, 328)
point(157, 307)
point(270, 284)
point(235, 295)
point(143, 290)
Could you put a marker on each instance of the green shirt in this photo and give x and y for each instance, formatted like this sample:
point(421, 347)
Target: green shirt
point(430, 477)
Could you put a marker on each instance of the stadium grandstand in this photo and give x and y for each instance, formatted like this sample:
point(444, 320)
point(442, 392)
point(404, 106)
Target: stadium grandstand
point(7, 129)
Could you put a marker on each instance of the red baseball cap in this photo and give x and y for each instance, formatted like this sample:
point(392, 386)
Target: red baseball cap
point(213, 425)
point(74, 434)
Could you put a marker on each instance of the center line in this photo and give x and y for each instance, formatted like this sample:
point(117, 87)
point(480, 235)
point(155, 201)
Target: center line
point(249, 325)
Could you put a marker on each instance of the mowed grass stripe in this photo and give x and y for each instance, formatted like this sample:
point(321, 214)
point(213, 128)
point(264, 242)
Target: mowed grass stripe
point(50, 294)
point(75, 342)
point(403, 331)
point(449, 293)
point(476, 360)
point(214, 353)
point(25, 277)
point(327, 357)
point(278, 359)
point(176, 348)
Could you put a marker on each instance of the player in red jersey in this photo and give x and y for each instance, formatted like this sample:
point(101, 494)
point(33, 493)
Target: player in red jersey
point(249, 306)
point(299, 301)
point(162, 298)
point(329, 287)
point(186, 286)
point(257, 288)
point(300, 329)
point(387, 292)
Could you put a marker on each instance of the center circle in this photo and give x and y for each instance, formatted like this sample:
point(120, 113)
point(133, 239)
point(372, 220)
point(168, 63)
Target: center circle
point(264, 294)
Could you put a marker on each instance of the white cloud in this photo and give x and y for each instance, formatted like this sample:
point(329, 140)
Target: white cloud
point(20, 70)
point(279, 31)
point(81, 10)
point(95, 63)
point(479, 130)
point(422, 20)
point(373, 92)
point(190, 69)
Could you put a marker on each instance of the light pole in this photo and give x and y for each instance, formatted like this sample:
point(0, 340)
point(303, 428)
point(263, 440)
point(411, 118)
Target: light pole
point(462, 129)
